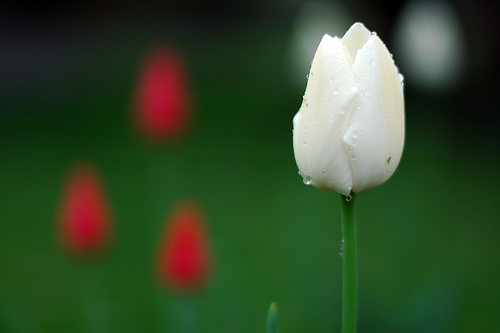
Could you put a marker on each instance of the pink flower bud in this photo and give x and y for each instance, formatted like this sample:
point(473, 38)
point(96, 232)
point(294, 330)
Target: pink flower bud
point(84, 217)
point(162, 102)
point(184, 259)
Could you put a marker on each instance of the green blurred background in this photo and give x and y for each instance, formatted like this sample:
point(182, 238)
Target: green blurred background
point(429, 249)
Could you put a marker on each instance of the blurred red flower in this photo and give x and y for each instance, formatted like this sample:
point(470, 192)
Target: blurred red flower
point(162, 101)
point(184, 259)
point(84, 216)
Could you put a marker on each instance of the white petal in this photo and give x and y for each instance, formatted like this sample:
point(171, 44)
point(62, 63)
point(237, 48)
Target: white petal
point(355, 38)
point(314, 19)
point(375, 135)
point(318, 128)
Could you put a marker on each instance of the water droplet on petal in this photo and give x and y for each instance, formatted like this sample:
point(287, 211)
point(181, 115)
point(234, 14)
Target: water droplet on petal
point(355, 135)
point(304, 144)
point(349, 188)
point(307, 180)
point(401, 78)
point(335, 92)
point(342, 110)
point(331, 118)
point(348, 198)
point(354, 88)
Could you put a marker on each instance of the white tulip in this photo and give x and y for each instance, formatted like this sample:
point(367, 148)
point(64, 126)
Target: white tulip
point(349, 132)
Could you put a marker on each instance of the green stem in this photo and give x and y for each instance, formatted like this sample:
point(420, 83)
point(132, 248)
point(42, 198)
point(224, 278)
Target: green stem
point(349, 265)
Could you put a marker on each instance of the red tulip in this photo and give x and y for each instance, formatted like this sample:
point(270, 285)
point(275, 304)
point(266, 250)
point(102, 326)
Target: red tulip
point(162, 105)
point(84, 218)
point(184, 258)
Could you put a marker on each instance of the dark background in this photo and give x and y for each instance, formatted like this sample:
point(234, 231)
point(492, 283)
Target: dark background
point(429, 250)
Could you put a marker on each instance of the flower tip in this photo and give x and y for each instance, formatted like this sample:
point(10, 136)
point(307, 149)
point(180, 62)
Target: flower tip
point(358, 28)
point(272, 319)
point(358, 25)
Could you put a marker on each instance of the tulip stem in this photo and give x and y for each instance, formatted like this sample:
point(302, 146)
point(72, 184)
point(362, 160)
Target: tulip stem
point(349, 265)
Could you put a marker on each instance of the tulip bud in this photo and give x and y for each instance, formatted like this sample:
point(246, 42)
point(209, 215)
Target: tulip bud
point(184, 258)
point(272, 319)
point(84, 219)
point(349, 132)
point(162, 104)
